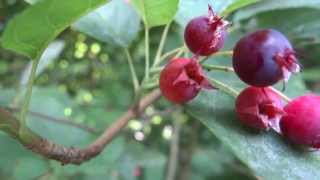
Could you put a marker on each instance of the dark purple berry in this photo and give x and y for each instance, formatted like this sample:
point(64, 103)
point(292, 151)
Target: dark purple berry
point(264, 57)
point(205, 35)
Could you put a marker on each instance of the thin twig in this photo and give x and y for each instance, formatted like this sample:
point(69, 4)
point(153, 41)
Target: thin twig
point(220, 53)
point(161, 45)
point(170, 53)
point(283, 96)
point(147, 53)
point(58, 120)
point(134, 76)
point(28, 94)
point(230, 69)
point(217, 67)
point(224, 87)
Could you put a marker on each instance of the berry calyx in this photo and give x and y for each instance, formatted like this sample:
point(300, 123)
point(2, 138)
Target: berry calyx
point(182, 79)
point(259, 108)
point(205, 35)
point(264, 57)
point(301, 124)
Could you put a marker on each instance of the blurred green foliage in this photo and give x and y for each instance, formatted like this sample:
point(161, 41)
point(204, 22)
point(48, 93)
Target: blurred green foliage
point(89, 85)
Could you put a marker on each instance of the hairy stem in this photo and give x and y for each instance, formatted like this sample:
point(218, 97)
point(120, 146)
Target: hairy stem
point(224, 87)
point(210, 67)
point(135, 80)
point(220, 53)
point(283, 96)
point(170, 53)
point(230, 69)
point(161, 45)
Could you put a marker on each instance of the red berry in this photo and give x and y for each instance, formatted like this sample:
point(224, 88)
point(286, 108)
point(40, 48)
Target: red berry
point(205, 35)
point(264, 57)
point(182, 79)
point(259, 108)
point(301, 124)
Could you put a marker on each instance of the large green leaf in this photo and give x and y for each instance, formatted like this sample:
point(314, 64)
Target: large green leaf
point(51, 54)
point(23, 171)
point(116, 23)
point(156, 13)
point(54, 103)
point(237, 4)
point(16, 161)
point(268, 5)
point(305, 26)
point(189, 9)
point(266, 153)
point(30, 32)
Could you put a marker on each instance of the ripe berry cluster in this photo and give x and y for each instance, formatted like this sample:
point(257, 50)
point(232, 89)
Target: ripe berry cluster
point(260, 59)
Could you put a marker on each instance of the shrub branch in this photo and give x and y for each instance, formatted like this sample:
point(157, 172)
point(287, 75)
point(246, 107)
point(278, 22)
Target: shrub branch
point(72, 155)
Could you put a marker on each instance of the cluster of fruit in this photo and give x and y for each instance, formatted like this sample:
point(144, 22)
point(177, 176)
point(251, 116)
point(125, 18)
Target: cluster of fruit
point(260, 59)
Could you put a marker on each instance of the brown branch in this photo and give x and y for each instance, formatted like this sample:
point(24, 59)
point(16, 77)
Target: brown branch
point(71, 155)
point(58, 120)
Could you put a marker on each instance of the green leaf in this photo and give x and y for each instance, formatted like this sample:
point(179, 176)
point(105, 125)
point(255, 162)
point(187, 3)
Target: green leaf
point(266, 153)
point(237, 5)
point(224, 166)
point(116, 23)
point(156, 13)
point(304, 26)
point(268, 5)
point(311, 74)
point(31, 1)
point(53, 103)
point(189, 9)
point(30, 32)
point(51, 53)
point(13, 152)
point(23, 171)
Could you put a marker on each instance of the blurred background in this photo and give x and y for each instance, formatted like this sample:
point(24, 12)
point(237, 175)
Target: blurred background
point(84, 84)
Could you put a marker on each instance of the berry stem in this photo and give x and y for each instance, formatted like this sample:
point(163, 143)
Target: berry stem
point(27, 97)
point(135, 80)
point(147, 53)
point(224, 87)
point(210, 67)
point(156, 69)
point(283, 96)
point(230, 69)
point(220, 53)
point(150, 85)
point(170, 53)
point(161, 45)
